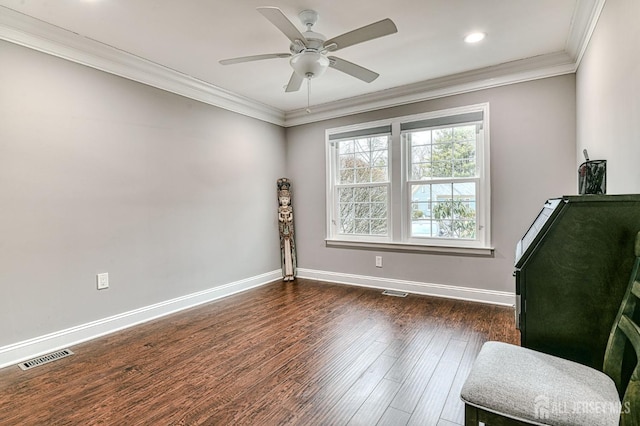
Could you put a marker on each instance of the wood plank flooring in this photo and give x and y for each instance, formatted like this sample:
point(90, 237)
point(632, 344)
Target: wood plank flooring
point(302, 353)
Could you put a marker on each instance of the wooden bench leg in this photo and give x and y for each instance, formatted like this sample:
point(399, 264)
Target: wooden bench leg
point(470, 415)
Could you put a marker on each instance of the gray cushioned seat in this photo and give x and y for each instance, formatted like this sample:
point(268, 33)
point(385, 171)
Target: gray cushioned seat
point(530, 386)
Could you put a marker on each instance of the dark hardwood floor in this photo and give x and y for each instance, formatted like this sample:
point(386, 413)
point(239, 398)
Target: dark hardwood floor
point(304, 353)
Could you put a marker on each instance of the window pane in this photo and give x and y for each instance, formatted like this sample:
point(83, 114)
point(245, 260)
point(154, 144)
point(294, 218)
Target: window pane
point(422, 228)
point(378, 227)
point(421, 222)
point(421, 137)
point(363, 175)
point(379, 142)
point(467, 133)
point(345, 195)
point(363, 160)
point(378, 210)
point(464, 168)
point(444, 229)
point(346, 210)
point(421, 171)
point(346, 176)
point(442, 135)
point(345, 147)
point(442, 153)
point(441, 169)
point(464, 228)
point(421, 194)
point(444, 210)
point(420, 153)
point(346, 218)
point(464, 150)
point(361, 195)
point(346, 162)
point(464, 159)
point(379, 174)
point(361, 226)
point(346, 227)
point(441, 191)
point(420, 211)
point(465, 196)
point(363, 210)
point(380, 158)
point(379, 194)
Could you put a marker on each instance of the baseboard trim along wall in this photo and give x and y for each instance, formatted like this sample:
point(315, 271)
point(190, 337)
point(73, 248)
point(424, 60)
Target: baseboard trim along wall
point(429, 289)
point(21, 351)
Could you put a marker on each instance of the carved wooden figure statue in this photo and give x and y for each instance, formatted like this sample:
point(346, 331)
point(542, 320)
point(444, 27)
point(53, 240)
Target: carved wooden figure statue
point(285, 225)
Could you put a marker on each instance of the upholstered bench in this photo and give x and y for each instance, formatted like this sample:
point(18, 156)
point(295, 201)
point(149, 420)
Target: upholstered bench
point(511, 385)
point(537, 388)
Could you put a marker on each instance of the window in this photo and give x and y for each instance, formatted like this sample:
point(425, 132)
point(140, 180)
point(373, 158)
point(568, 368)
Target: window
point(412, 181)
point(362, 182)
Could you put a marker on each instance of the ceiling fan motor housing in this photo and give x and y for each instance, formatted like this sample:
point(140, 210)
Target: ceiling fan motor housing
point(314, 41)
point(309, 61)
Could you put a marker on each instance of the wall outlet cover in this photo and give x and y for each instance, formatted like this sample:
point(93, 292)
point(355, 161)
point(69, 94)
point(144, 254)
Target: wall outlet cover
point(103, 281)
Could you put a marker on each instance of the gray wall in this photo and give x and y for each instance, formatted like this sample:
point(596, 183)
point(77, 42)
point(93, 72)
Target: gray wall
point(101, 174)
point(532, 159)
point(171, 196)
point(608, 96)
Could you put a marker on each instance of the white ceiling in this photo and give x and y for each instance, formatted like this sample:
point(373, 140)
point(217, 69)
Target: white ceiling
point(192, 36)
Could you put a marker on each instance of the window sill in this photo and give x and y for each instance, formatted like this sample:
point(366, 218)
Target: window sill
point(413, 248)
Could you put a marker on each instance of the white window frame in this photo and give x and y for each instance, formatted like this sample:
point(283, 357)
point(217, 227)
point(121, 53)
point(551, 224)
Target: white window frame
point(332, 197)
point(399, 209)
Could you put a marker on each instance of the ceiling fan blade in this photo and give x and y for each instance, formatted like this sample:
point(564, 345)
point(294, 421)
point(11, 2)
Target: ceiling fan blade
point(352, 69)
point(277, 18)
point(254, 58)
point(294, 83)
point(366, 33)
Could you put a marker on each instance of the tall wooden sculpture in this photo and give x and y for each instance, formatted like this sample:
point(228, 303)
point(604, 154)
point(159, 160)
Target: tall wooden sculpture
point(285, 225)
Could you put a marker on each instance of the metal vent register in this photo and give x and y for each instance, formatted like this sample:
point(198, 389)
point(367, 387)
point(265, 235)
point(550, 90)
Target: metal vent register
point(44, 359)
point(394, 293)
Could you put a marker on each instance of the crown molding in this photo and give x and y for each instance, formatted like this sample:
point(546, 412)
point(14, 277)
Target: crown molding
point(534, 68)
point(26, 31)
point(583, 24)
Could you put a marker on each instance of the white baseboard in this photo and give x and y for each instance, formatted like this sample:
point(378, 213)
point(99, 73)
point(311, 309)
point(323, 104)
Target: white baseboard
point(17, 352)
point(27, 349)
point(429, 289)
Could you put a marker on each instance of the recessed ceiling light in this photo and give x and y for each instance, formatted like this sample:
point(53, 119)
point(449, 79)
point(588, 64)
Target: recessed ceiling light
point(475, 37)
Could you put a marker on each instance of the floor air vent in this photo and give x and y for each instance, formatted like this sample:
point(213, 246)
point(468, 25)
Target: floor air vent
point(44, 359)
point(394, 293)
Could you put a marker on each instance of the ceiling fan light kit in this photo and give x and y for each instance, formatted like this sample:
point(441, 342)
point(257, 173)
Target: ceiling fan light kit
point(308, 50)
point(309, 64)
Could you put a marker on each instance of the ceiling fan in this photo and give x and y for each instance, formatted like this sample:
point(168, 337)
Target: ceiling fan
point(308, 51)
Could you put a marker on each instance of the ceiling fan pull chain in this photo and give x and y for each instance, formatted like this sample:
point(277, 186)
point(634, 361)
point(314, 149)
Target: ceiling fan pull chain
point(308, 95)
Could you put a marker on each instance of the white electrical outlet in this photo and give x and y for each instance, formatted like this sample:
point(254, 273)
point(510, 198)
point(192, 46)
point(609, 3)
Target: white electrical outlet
point(103, 281)
point(378, 261)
